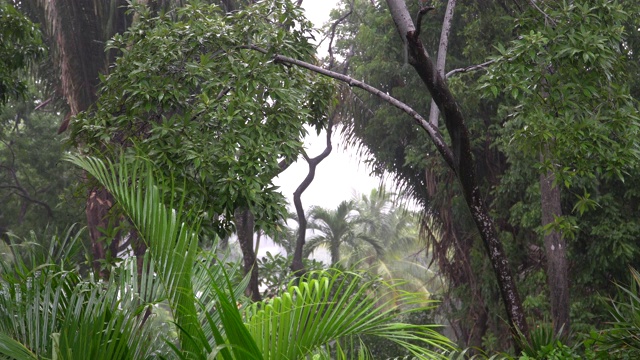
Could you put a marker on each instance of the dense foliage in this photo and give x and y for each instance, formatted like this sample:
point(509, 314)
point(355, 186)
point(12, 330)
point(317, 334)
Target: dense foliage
point(20, 46)
point(531, 82)
point(61, 314)
point(196, 91)
point(205, 103)
point(36, 186)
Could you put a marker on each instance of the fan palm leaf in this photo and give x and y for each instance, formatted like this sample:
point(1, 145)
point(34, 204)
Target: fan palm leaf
point(333, 306)
point(54, 313)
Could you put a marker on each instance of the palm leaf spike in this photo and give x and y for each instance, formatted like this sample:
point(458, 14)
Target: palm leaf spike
point(172, 244)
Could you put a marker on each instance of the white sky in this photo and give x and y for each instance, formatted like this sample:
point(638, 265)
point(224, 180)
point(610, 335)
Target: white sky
point(337, 177)
point(339, 174)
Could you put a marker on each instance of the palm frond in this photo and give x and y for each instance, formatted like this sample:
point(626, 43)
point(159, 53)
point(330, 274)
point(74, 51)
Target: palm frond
point(173, 245)
point(55, 313)
point(13, 348)
point(330, 306)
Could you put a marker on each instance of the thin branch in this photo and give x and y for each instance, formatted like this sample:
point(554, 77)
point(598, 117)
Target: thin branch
point(470, 68)
point(222, 93)
point(333, 32)
point(43, 104)
point(18, 186)
point(433, 132)
point(25, 195)
point(421, 13)
point(546, 16)
point(434, 112)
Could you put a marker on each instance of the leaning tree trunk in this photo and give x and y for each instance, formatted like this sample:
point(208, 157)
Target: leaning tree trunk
point(474, 330)
point(463, 162)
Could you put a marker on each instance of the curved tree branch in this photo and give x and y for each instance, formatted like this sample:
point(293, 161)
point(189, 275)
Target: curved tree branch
point(333, 32)
point(433, 132)
point(296, 265)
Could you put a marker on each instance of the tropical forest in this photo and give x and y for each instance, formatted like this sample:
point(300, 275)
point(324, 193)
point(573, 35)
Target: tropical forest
point(143, 145)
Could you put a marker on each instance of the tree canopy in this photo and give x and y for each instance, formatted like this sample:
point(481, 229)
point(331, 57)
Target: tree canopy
point(511, 127)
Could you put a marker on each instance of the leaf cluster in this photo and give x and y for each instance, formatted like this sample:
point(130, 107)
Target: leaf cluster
point(571, 100)
point(108, 320)
point(197, 92)
point(20, 46)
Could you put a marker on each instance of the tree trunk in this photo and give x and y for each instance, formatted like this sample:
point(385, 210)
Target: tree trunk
point(244, 228)
point(464, 164)
point(334, 249)
point(458, 156)
point(442, 55)
point(77, 31)
point(99, 202)
point(556, 252)
point(297, 267)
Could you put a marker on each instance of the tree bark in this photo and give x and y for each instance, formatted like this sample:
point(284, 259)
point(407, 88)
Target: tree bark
point(442, 55)
point(244, 228)
point(556, 253)
point(297, 266)
point(99, 202)
point(464, 164)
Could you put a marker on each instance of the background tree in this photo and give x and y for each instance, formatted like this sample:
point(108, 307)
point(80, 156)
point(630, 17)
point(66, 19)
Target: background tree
point(36, 186)
point(338, 229)
point(572, 106)
point(203, 105)
point(21, 47)
point(515, 200)
point(406, 256)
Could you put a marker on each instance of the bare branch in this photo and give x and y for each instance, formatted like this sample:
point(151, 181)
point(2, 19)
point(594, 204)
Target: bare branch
point(296, 265)
point(333, 32)
point(433, 132)
point(421, 13)
point(470, 68)
point(43, 104)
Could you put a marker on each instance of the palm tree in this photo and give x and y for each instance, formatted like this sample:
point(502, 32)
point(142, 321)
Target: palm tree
point(406, 256)
point(48, 313)
point(373, 210)
point(337, 230)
